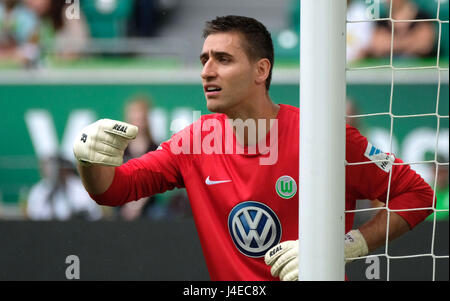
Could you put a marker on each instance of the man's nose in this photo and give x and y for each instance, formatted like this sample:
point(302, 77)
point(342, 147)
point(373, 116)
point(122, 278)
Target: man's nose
point(208, 71)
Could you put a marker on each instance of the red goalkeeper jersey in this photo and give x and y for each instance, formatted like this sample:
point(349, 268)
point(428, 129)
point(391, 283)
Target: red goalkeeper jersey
point(242, 208)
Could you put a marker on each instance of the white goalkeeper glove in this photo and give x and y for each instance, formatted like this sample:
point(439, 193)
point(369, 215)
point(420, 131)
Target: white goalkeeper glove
point(103, 142)
point(283, 258)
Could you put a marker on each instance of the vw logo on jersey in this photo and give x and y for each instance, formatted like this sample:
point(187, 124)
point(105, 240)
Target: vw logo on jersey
point(254, 228)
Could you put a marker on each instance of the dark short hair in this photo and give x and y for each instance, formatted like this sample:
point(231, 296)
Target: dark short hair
point(258, 40)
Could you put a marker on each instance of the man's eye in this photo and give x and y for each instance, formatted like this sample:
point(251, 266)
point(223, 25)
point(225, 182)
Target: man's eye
point(224, 60)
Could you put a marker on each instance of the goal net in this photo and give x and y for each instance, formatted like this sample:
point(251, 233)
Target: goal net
point(397, 96)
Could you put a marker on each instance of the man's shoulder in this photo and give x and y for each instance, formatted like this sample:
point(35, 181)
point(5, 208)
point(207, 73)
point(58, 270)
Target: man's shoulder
point(352, 133)
point(288, 114)
point(290, 109)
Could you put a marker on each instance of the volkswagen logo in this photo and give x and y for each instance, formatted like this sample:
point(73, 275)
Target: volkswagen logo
point(254, 228)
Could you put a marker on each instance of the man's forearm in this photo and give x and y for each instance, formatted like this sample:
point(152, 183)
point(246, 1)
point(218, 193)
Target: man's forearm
point(374, 231)
point(96, 178)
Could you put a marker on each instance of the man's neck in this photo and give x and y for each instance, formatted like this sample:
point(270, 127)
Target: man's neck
point(256, 112)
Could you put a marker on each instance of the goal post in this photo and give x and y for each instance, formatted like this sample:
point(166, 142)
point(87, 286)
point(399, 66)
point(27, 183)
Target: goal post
point(322, 140)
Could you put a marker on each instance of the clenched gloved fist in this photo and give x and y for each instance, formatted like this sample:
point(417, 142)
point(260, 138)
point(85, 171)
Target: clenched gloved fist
point(103, 142)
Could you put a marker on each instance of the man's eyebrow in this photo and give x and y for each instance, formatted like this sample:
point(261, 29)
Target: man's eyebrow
point(221, 53)
point(205, 55)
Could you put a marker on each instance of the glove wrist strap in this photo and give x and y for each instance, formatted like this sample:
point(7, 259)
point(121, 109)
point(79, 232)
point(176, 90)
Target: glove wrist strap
point(355, 245)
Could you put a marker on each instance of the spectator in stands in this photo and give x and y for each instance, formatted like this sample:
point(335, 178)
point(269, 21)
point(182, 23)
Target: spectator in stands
point(351, 109)
point(148, 16)
point(17, 25)
point(137, 113)
point(144, 19)
point(67, 37)
point(411, 39)
point(359, 34)
point(60, 195)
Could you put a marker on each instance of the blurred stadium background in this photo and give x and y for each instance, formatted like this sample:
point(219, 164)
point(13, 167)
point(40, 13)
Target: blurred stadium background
point(63, 66)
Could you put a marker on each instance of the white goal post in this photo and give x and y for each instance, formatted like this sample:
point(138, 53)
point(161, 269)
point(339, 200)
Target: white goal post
point(323, 74)
point(322, 140)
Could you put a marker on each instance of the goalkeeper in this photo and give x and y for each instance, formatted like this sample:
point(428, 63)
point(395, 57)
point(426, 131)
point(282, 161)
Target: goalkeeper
point(246, 213)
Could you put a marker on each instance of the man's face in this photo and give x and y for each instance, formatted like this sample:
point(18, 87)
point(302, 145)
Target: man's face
point(228, 74)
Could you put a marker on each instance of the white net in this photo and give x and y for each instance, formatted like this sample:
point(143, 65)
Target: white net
point(405, 112)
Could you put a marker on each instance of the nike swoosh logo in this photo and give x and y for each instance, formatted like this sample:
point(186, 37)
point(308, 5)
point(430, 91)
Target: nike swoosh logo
point(209, 182)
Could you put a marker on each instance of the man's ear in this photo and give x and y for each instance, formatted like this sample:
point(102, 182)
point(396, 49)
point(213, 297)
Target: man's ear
point(262, 70)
